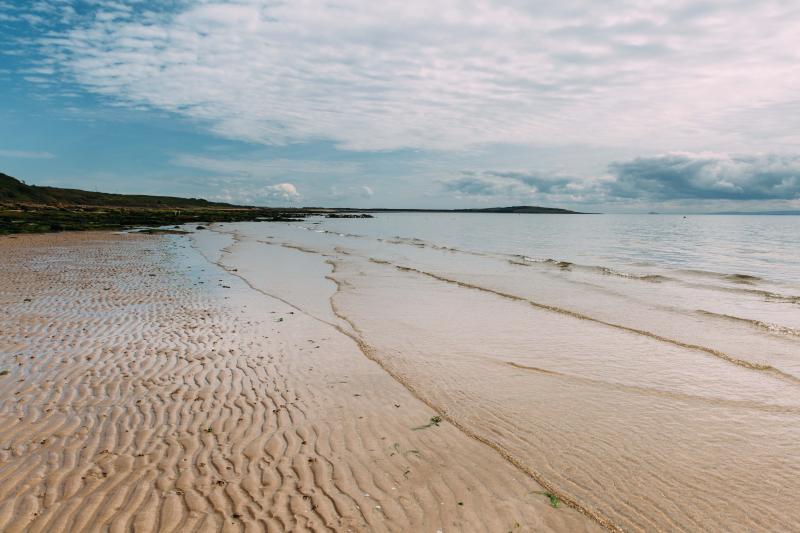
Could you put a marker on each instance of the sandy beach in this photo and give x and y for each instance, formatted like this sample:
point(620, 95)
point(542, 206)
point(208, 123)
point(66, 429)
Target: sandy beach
point(326, 375)
point(146, 388)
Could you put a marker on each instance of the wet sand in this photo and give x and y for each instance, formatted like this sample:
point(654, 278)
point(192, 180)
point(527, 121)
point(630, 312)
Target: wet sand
point(150, 389)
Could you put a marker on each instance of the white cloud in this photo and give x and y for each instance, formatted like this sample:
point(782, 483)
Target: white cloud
point(280, 193)
point(287, 191)
point(452, 74)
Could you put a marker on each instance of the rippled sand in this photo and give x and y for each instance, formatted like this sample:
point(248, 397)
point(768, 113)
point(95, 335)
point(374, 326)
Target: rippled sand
point(150, 389)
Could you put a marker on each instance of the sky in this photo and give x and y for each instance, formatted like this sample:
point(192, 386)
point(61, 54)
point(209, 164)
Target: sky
point(613, 106)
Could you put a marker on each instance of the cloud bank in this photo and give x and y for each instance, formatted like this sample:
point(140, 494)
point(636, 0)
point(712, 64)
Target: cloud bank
point(708, 176)
point(662, 178)
point(449, 75)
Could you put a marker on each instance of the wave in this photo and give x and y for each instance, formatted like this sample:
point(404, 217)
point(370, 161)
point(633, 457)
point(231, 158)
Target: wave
point(329, 232)
point(744, 363)
point(766, 326)
point(568, 266)
point(736, 278)
point(651, 391)
point(421, 243)
point(524, 260)
point(743, 278)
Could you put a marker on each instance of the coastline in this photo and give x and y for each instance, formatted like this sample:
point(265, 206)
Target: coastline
point(148, 388)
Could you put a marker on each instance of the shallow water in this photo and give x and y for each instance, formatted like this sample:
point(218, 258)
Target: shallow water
point(764, 246)
point(645, 367)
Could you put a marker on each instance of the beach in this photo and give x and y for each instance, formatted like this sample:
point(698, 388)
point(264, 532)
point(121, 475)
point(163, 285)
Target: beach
point(393, 375)
point(404, 266)
point(149, 389)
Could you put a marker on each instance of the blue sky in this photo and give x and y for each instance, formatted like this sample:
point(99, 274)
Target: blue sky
point(622, 105)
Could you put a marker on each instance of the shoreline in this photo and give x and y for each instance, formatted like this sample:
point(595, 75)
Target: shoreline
point(149, 388)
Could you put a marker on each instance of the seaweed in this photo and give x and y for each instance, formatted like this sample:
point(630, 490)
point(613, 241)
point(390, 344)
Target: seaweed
point(434, 421)
point(554, 500)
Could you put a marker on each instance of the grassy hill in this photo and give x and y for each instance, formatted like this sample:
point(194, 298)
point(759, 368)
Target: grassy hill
point(13, 191)
point(33, 209)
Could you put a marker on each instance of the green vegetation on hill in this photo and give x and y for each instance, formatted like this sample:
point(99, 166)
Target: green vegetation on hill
point(31, 209)
point(14, 191)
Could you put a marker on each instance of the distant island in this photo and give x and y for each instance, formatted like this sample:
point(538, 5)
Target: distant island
point(762, 213)
point(33, 209)
point(532, 209)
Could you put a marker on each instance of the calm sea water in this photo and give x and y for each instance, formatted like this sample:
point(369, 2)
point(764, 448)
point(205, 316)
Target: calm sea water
point(762, 246)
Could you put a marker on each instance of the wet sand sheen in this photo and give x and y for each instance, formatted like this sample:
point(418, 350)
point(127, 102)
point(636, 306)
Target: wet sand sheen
point(642, 422)
point(150, 390)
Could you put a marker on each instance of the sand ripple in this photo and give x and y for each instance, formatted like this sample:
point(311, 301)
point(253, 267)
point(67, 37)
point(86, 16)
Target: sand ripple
point(147, 390)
